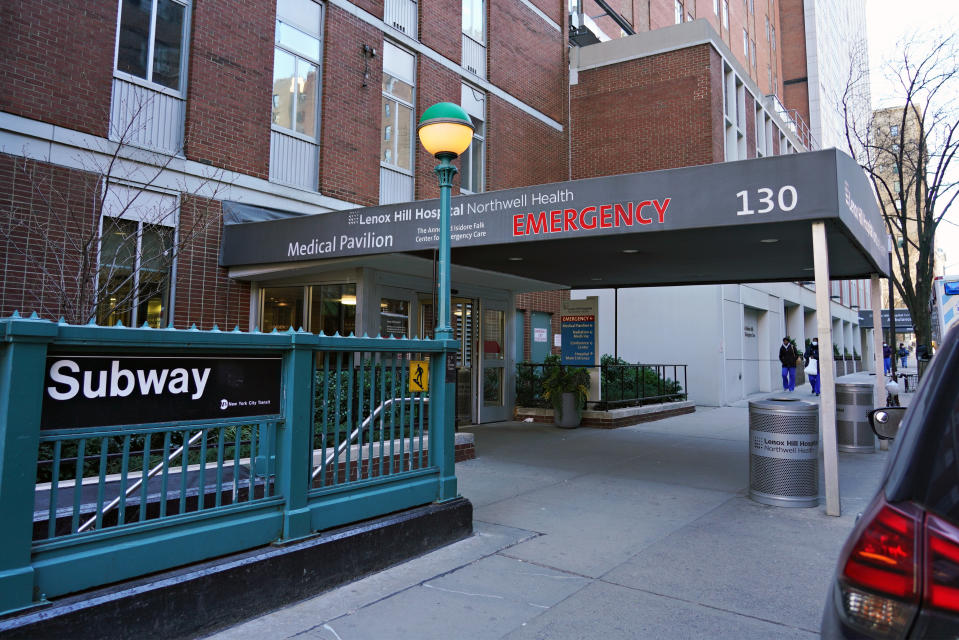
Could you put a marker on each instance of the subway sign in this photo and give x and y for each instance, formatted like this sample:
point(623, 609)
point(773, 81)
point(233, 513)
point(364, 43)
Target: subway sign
point(81, 390)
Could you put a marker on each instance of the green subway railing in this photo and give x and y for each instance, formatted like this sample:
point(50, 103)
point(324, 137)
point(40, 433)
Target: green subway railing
point(86, 503)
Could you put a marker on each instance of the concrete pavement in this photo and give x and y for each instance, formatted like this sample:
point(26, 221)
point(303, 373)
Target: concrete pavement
point(638, 532)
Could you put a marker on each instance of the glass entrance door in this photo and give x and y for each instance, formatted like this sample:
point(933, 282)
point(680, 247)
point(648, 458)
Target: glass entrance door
point(492, 351)
point(464, 319)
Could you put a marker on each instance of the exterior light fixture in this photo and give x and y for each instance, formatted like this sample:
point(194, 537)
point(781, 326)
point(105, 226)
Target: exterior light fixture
point(630, 250)
point(348, 299)
point(769, 240)
point(445, 130)
point(515, 259)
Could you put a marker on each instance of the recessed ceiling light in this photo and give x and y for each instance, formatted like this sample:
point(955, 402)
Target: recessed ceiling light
point(596, 279)
point(769, 240)
point(807, 268)
point(515, 259)
point(630, 250)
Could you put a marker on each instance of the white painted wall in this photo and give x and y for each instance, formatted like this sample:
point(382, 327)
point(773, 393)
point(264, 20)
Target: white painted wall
point(703, 327)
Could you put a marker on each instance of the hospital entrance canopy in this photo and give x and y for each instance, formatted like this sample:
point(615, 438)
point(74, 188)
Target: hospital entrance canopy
point(785, 218)
point(746, 221)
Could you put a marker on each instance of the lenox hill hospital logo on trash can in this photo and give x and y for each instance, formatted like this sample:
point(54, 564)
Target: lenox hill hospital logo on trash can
point(82, 390)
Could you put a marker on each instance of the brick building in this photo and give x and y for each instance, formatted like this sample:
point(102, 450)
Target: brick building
point(125, 127)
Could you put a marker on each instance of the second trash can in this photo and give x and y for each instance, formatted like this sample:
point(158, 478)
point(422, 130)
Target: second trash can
point(784, 452)
point(853, 404)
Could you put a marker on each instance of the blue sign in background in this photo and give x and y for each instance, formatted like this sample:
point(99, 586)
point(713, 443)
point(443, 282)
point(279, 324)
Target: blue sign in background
point(579, 341)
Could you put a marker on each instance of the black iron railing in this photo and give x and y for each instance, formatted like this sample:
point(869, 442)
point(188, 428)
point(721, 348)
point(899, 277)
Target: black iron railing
point(622, 385)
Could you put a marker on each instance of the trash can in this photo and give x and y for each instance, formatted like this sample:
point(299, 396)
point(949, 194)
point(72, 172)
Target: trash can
point(784, 452)
point(854, 401)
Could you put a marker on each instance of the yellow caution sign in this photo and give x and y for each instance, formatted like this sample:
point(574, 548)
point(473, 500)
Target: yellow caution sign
point(419, 376)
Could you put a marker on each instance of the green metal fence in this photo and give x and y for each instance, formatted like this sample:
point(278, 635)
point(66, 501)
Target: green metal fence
point(90, 505)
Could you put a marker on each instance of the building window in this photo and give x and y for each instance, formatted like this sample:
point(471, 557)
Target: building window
point(894, 130)
point(394, 318)
point(752, 7)
point(282, 309)
point(716, 7)
point(396, 130)
point(746, 44)
point(726, 14)
point(135, 267)
point(473, 162)
point(296, 67)
point(151, 41)
point(767, 28)
point(897, 186)
point(772, 32)
point(678, 11)
point(474, 19)
point(327, 308)
point(752, 52)
point(333, 309)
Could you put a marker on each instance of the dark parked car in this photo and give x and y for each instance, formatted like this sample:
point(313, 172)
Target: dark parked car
point(898, 574)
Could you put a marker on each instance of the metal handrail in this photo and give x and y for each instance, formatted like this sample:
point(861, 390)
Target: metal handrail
point(349, 441)
point(155, 470)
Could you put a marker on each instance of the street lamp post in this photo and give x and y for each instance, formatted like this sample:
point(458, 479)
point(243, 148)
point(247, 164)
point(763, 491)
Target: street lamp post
point(445, 130)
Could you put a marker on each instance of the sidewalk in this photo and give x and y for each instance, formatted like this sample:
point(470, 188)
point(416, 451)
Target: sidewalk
point(638, 532)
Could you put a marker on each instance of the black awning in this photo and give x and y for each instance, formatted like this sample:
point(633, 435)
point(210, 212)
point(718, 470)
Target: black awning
point(746, 221)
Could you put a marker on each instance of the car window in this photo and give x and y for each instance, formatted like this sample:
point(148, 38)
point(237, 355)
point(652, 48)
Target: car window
point(925, 462)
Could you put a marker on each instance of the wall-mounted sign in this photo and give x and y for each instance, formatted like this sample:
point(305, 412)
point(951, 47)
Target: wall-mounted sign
point(749, 332)
point(103, 390)
point(419, 376)
point(903, 320)
point(578, 330)
point(539, 334)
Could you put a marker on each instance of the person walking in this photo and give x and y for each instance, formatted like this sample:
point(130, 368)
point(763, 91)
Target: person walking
point(886, 358)
point(788, 357)
point(903, 354)
point(812, 353)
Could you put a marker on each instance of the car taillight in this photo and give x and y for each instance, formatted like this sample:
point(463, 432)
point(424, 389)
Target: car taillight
point(942, 564)
point(880, 581)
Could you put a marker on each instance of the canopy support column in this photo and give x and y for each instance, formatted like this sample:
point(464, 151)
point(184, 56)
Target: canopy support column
point(827, 379)
point(875, 294)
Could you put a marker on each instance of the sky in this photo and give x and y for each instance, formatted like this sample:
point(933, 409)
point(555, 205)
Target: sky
point(887, 22)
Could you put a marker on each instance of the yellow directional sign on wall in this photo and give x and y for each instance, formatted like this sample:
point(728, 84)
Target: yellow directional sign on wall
point(419, 376)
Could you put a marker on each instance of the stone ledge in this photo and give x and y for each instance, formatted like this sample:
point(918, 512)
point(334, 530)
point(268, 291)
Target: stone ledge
point(199, 599)
point(613, 418)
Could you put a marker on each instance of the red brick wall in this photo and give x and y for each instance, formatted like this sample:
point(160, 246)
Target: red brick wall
point(441, 28)
point(669, 96)
point(205, 294)
point(434, 83)
point(230, 85)
point(750, 126)
point(374, 7)
point(545, 301)
point(792, 45)
point(555, 9)
point(56, 62)
point(47, 214)
point(350, 147)
point(716, 106)
point(50, 212)
point(662, 13)
point(522, 150)
point(527, 57)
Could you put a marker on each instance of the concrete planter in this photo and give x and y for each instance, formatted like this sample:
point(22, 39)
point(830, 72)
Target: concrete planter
point(570, 417)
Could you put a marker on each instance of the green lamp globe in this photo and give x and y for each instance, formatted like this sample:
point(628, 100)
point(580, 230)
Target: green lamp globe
point(445, 129)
